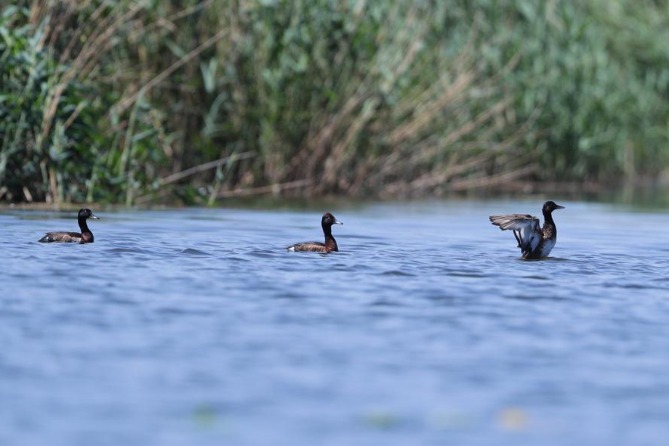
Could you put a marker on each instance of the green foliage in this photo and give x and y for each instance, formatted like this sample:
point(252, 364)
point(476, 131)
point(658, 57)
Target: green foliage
point(59, 141)
point(357, 98)
point(134, 102)
point(597, 74)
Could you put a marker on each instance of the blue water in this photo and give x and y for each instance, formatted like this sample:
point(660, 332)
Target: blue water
point(194, 326)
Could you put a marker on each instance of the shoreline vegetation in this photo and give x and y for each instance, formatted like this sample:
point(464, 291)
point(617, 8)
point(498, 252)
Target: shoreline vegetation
point(145, 103)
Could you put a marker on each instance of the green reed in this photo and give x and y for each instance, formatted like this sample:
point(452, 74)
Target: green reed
point(143, 101)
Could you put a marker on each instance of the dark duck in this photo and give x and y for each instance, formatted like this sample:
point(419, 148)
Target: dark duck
point(330, 243)
point(534, 241)
point(85, 236)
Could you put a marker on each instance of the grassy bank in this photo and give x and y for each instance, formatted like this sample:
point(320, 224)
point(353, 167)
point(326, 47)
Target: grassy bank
point(137, 102)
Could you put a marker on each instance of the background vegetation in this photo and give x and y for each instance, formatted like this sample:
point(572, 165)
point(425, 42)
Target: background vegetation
point(144, 101)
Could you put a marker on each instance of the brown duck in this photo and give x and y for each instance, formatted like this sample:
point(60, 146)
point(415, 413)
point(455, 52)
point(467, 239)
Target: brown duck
point(85, 236)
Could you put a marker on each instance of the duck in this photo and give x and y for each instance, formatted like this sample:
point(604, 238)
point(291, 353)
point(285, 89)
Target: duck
point(330, 244)
point(534, 242)
point(85, 236)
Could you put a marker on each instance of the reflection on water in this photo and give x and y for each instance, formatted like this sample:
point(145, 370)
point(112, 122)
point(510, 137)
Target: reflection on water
point(197, 327)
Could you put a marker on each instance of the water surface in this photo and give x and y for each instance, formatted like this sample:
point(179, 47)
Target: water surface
point(195, 326)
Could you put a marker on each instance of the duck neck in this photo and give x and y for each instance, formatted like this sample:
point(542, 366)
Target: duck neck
point(330, 242)
point(83, 225)
point(548, 219)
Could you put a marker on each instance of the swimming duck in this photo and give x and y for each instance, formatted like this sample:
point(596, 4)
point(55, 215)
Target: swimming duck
point(86, 236)
point(534, 242)
point(330, 243)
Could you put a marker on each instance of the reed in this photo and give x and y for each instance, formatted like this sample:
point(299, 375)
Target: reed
point(139, 102)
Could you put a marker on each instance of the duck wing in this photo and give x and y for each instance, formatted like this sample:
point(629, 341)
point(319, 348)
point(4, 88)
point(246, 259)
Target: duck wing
point(61, 237)
point(308, 247)
point(525, 228)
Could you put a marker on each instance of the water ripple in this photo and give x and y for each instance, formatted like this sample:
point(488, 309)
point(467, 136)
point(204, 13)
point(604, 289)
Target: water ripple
point(430, 330)
point(397, 273)
point(194, 252)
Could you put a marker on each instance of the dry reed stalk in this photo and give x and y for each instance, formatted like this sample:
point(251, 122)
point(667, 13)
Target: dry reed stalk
point(204, 167)
point(317, 146)
point(430, 109)
point(126, 102)
point(274, 189)
point(173, 178)
point(91, 52)
point(493, 180)
point(91, 42)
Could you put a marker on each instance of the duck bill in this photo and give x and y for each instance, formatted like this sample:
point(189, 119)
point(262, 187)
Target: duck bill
point(337, 222)
point(557, 206)
point(94, 217)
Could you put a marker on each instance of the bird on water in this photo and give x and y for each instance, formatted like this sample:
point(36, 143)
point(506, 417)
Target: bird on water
point(85, 236)
point(534, 241)
point(330, 243)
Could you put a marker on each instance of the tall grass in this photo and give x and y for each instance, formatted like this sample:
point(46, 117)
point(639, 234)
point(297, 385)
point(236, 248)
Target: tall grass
point(142, 101)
